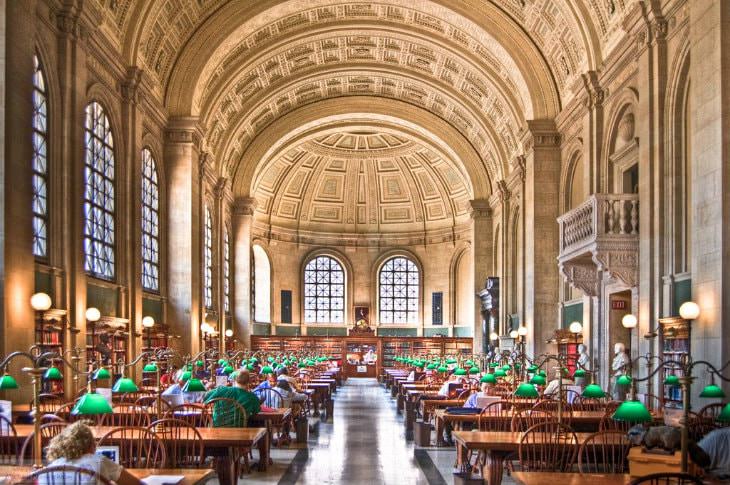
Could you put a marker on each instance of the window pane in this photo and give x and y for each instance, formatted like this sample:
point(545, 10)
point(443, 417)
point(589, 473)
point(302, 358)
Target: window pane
point(324, 289)
point(208, 260)
point(150, 223)
point(39, 163)
point(99, 194)
point(226, 272)
point(399, 291)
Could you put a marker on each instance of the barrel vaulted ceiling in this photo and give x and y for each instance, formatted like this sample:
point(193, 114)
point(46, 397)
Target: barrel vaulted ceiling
point(482, 66)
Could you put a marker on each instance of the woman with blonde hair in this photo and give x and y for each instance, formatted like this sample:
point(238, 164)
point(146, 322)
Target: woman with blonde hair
point(75, 446)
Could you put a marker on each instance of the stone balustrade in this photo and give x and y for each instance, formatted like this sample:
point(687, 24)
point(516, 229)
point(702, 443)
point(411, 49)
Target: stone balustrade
point(600, 215)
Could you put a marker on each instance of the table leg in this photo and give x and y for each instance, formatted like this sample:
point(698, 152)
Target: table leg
point(264, 456)
point(462, 458)
point(315, 402)
point(225, 469)
point(440, 431)
point(399, 403)
point(493, 467)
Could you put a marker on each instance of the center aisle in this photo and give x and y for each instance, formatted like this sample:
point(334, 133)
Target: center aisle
point(364, 445)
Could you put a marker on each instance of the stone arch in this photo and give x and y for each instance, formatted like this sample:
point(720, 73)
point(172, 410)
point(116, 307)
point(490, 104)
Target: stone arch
point(460, 257)
point(375, 278)
point(346, 264)
point(620, 135)
point(99, 93)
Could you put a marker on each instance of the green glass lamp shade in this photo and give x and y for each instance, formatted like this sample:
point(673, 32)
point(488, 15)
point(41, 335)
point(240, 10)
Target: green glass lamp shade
point(189, 367)
point(125, 384)
point(186, 376)
point(253, 360)
point(102, 373)
point(250, 367)
point(227, 370)
point(499, 373)
point(533, 368)
point(300, 365)
point(474, 370)
point(493, 365)
point(489, 379)
point(443, 369)
point(632, 411)
point(724, 416)
point(270, 359)
point(469, 363)
point(53, 374)
point(149, 368)
point(199, 363)
point(593, 391)
point(267, 370)
point(526, 390)
point(91, 403)
point(542, 373)
point(193, 385)
point(8, 382)
point(431, 366)
point(518, 366)
point(460, 372)
point(712, 391)
point(538, 380)
point(451, 360)
point(222, 362)
point(623, 380)
point(671, 380)
point(579, 373)
point(506, 367)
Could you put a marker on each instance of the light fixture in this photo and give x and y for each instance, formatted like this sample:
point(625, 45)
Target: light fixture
point(712, 391)
point(151, 367)
point(576, 327)
point(522, 331)
point(148, 322)
point(579, 373)
point(194, 385)
point(267, 370)
point(689, 310)
point(93, 314)
point(526, 389)
point(92, 403)
point(8, 382)
point(500, 373)
point(474, 370)
point(53, 374)
point(460, 372)
point(489, 379)
point(493, 336)
point(629, 321)
point(671, 380)
point(102, 373)
point(593, 391)
point(40, 302)
point(538, 380)
point(724, 416)
point(229, 333)
point(513, 334)
point(632, 411)
point(623, 380)
point(125, 385)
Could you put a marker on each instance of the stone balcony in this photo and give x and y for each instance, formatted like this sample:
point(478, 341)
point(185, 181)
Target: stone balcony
point(600, 235)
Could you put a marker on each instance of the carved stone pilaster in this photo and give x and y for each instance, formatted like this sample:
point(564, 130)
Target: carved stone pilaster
point(583, 275)
point(621, 262)
point(595, 94)
point(130, 85)
point(219, 189)
point(244, 206)
point(184, 130)
point(479, 208)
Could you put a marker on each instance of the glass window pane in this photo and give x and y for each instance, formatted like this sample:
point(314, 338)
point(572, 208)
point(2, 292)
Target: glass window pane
point(39, 163)
point(399, 291)
point(324, 289)
point(150, 223)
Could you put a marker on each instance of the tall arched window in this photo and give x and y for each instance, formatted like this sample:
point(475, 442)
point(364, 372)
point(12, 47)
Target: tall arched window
point(208, 260)
point(260, 284)
point(226, 272)
point(324, 291)
point(399, 291)
point(39, 162)
point(99, 194)
point(150, 223)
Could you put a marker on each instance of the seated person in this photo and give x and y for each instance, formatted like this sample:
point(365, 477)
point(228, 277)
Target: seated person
point(177, 389)
point(717, 446)
point(288, 395)
point(453, 378)
point(552, 390)
point(237, 392)
point(283, 373)
point(75, 446)
point(471, 402)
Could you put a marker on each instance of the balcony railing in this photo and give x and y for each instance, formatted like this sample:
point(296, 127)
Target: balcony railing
point(600, 215)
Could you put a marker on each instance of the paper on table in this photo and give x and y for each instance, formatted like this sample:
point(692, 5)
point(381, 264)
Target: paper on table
point(162, 479)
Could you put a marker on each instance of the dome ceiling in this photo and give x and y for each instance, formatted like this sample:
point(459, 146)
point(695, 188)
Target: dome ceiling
point(361, 182)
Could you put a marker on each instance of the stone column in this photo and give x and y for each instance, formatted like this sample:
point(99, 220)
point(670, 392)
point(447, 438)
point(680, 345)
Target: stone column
point(219, 227)
point(242, 220)
point(481, 256)
point(542, 181)
point(182, 153)
point(710, 179)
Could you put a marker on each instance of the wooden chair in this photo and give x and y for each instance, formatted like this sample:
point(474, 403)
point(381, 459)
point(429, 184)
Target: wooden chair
point(581, 403)
point(607, 423)
point(604, 452)
point(48, 403)
point(226, 413)
point(497, 416)
point(653, 402)
point(65, 475)
point(551, 406)
point(667, 479)
point(569, 396)
point(125, 414)
point(194, 414)
point(149, 403)
point(547, 447)
point(711, 411)
point(51, 418)
point(270, 397)
point(48, 432)
point(8, 442)
point(183, 443)
point(138, 447)
point(526, 418)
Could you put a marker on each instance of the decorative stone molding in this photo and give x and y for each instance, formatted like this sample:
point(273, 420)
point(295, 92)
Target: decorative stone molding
point(480, 208)
point(130, 85)
point(244, 206)
point(582, 275)
point(540, 134)
point(620, 261)
point(184, 130)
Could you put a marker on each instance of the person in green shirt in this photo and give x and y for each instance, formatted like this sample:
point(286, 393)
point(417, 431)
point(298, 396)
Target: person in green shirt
point(223, 416)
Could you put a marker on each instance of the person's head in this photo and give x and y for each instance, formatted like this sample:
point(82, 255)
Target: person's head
point(484, 387)
point(619, 348)
point(74, 441)
point(282, 371)
point(242, 379)
point(283, 384)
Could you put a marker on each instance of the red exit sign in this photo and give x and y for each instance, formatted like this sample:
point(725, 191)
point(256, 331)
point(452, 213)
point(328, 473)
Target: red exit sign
point(618, 305)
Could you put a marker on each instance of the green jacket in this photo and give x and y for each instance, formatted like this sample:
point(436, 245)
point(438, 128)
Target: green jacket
point(224, 416)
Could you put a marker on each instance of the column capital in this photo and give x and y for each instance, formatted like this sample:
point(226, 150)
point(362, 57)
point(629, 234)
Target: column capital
point(540, 134)
point(480, 208)
point(184, 130)
point(244, 206)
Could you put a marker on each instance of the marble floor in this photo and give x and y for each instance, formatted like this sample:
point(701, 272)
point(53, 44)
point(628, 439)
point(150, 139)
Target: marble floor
point(363, 444)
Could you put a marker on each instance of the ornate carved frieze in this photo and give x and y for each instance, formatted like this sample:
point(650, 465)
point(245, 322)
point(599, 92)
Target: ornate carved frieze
point(244, 206)
point(184, 130)
point(582, 275)
point(130, 85)
point(480, 208)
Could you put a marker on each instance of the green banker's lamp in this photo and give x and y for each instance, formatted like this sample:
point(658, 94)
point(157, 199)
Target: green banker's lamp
point(526, 390)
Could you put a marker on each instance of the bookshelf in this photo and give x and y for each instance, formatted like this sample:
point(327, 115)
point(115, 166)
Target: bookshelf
point(109, 332)
point(675, 336)
point(50, 330)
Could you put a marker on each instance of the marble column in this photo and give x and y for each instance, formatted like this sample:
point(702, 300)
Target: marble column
point(242, 220)
point(481, 256)
point(542, 181)
point(182, 156)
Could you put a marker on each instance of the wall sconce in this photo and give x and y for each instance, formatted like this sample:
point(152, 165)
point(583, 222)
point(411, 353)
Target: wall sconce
point(629, 321)
point(689, 310)
point(93, 314)
point(40, 302)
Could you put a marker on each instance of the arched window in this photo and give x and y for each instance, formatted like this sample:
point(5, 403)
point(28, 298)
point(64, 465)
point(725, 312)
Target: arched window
point(150, 223)
point(324, 291)
point(226, 272)
point(261, 285)
point(208, 260)
point(399, 291)
point(40, 162)
point(99, 194)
